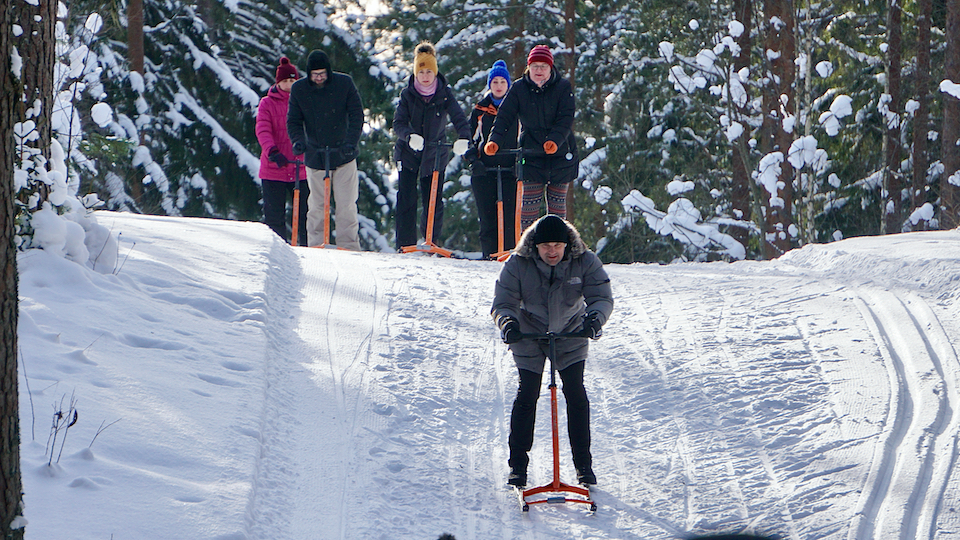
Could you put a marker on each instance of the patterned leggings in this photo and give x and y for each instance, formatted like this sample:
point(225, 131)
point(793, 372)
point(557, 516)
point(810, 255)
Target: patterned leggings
point(533, 197)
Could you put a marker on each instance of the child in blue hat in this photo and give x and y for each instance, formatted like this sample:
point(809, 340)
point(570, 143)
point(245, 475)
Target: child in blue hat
point(484, 168)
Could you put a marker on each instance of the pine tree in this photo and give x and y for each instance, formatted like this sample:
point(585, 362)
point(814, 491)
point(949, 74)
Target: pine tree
point(950, 180)
point(892, 107)
point(182, 141)
point(10, 482)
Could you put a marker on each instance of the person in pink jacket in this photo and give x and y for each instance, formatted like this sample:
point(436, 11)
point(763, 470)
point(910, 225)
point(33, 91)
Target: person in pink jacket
point(276, 156)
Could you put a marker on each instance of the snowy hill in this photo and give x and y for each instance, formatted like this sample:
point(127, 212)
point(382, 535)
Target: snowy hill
point(265, 392)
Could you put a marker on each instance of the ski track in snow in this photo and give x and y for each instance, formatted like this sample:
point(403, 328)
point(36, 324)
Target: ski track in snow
point(738, 412)
point(909, 473)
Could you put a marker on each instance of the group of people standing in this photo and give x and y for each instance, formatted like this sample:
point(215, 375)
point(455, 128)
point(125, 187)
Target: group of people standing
point(551, 284)
point(317, 121)
point(319, 117)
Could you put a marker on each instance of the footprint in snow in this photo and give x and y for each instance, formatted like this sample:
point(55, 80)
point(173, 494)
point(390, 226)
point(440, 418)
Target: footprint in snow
point(384, 410)
point(236, 366)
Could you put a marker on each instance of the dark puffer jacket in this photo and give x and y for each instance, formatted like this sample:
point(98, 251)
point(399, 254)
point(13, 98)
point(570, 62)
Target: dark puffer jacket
point(546, 114)
point(551, 298)
point(325, 116)
point(429, 120)
point(481, 124)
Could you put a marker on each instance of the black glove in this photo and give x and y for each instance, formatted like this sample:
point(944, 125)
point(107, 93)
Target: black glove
point(592, 325)
point(349, 152)
point(298, 148)
point(278, 158)
point(510, 330)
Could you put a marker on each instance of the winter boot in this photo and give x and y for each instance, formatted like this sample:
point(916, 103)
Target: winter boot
point(518, 467)
point(586, 477)
point(517, 478)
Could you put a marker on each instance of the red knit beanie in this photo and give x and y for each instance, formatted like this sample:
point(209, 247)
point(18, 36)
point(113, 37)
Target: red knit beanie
point(286, 70)
point(540, 53)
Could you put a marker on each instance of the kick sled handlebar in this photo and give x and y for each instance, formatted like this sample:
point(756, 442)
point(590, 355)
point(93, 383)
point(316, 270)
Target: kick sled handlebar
point(295, 226)
point(582, 333)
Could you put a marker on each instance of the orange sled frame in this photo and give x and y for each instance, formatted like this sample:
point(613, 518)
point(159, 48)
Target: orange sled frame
point(326, 201)
point(556, 492)
point(428, 246)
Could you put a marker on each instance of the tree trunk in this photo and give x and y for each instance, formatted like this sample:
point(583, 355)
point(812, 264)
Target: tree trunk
point(570, 39)
point(740, 190)
point(207, 11)
point(779, 102)
point(37, 46)
point(921, 158)
point(516, 19)
point(807, 215)
point(950, 193)
point(9, 395)
point(135, 35)
point(893, 179)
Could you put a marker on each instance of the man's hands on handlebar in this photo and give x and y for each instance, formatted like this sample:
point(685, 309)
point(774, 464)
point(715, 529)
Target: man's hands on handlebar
point(510, 329)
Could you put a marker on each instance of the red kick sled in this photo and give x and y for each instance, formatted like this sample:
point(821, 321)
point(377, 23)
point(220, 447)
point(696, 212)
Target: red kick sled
point(556, 492)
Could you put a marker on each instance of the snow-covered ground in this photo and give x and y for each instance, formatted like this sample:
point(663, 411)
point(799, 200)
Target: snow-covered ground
point(265, 392)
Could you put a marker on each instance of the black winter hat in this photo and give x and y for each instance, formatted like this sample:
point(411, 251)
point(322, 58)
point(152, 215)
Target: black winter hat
point(551, 228)
point(318, 60)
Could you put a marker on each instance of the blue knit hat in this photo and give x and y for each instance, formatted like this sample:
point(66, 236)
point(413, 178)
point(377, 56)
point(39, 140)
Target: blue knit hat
point(499, 69)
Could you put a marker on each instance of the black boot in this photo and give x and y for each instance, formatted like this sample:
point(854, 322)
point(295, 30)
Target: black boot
point(586, 477)
point(517, 477)
point(518, 468)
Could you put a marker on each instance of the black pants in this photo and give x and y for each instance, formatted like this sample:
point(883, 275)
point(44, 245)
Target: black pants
point(485, 192)
point(524, 415)
point(407, 207)
point(275, 208)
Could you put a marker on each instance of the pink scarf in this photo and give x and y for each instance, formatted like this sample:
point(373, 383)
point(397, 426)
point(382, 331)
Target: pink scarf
point(426, 91)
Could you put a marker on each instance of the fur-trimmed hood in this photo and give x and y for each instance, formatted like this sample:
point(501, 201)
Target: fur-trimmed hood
point(544, 298)
point(526, 247)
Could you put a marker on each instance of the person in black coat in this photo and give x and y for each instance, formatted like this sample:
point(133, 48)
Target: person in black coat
point(325, 115)
point(426, 105)
point(544, 103)
point(483, 178)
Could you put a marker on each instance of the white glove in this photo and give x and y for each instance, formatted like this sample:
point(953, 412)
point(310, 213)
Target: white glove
point(416, 142)
point(460, 147)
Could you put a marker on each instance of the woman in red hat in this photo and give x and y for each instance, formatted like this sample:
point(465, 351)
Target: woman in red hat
point(544, 103)
point(276, 155)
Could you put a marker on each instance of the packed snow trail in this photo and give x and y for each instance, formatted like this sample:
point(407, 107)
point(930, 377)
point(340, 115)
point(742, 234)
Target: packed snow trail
point(270, 392)
point(739, 398)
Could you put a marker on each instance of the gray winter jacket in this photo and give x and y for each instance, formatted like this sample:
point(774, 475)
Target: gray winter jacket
point(551, 298)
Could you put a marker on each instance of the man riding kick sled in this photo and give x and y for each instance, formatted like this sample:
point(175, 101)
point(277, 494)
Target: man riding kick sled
point(551, 283)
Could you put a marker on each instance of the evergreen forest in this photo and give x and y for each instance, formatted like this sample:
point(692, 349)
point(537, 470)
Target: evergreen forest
point(708, 129)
